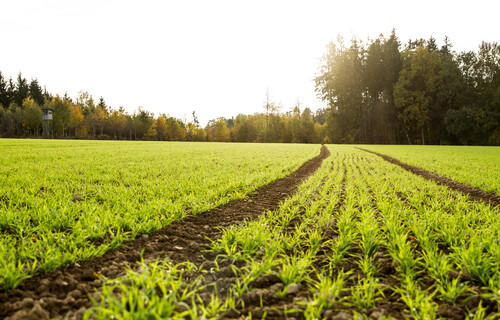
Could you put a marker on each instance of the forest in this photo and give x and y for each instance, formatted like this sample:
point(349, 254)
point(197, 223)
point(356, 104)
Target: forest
point(85, 118)
point(377, 92)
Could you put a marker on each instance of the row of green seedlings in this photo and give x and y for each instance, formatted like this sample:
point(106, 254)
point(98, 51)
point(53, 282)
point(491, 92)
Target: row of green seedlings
point(264, 244)
point(474, 166)
point(387, 233)
point(401, 245)
point(420, 214)
point(41, 232)
point(269, 248)
point(374, 229)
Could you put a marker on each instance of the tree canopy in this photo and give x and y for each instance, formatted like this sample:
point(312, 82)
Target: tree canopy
point(381, 92)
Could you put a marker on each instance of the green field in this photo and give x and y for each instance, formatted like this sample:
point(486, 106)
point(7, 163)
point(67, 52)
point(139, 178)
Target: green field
point(475, 166)
point(65, 201)
point(361, 237)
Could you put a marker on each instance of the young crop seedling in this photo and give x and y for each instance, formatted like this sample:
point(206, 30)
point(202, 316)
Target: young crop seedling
point(294, 269)
point(419, 303)
point(366, 293)
point(156, 291)
point(451, 290)
point(327, 289)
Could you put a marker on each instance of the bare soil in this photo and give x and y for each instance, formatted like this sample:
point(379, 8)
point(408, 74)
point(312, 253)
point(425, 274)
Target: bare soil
point(65, 292)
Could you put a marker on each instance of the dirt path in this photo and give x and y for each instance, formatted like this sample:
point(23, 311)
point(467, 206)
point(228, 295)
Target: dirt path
point(64, 291)
point(473, 193)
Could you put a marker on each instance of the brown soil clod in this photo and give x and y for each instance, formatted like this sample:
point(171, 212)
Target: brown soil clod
point(66, 290)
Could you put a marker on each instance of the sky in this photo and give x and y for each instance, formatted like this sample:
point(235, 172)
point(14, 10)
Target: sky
point(217, 58)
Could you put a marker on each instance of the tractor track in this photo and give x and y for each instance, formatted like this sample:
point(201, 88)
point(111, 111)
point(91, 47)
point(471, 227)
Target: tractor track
point(66, 292)
point(474, 194)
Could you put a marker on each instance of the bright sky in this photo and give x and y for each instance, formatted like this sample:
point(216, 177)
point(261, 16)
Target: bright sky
point(217, 58)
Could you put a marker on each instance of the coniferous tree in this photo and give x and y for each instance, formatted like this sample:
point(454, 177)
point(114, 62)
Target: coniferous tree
point(21, 90)
point(392, 67)
point(35, 92)
point(4, 94)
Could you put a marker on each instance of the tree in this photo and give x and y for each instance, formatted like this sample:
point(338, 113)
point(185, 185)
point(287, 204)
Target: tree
point(392, 67)
point(268, 108)
point(77, 122)
point(307, 126)
point(151, 133)
point(221, 131)
point(200, 135)
point(102, 116)
point(417, 87)
point(466, 124)
point(320, 116)
point(374, 82)
point(487, 79)
point(319, 133)
point(161, 128)
point(142, 120)
point(4, 94)
point(118, 123)
point(92, 120)
point(245, 129)
point(85, 102)
point(450, 96)
point(35, 92)
point(61, 114)
point(21, 90)
point(102, 104)
point(7, 122)
point(295, 124)
point(340, 83)
point(175, 129)
point(195, 120)
point(32, 117)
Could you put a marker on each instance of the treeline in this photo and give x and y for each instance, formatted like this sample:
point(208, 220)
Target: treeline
point(295, 126)
point(377, 92)
point(380, 92)
point(22, 101)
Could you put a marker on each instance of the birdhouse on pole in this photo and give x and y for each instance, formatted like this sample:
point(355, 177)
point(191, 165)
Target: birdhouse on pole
point(47, 122)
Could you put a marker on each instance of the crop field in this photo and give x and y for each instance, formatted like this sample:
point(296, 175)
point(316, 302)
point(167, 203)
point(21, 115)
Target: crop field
point(66, 201)
point(472, 165)
point(359, 238)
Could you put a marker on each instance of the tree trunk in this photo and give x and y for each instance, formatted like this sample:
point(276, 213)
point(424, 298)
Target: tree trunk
point(423, 137)
point(407, 137)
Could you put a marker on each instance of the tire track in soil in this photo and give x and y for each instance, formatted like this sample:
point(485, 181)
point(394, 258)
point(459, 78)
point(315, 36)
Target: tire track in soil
point(262, 300)
point(67, 290)
point(473, 193)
